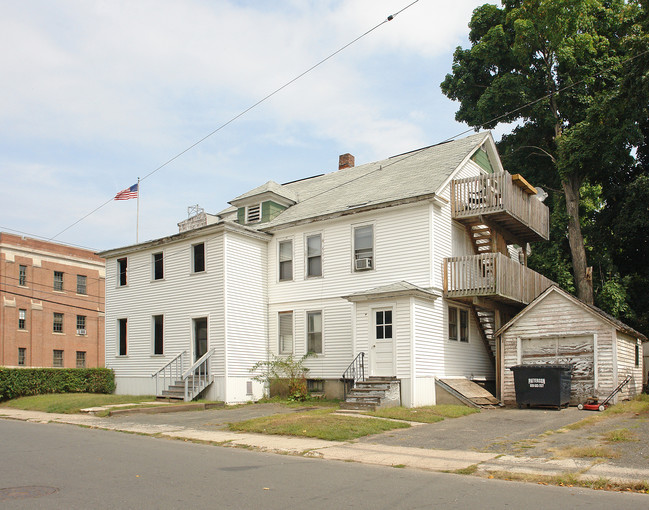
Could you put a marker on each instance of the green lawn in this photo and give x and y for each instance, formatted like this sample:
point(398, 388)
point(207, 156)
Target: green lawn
point(319, 423)
point(70, 403)
point(427, 414)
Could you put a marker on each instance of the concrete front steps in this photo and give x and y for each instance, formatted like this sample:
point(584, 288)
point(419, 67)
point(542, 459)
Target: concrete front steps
point(373, 393)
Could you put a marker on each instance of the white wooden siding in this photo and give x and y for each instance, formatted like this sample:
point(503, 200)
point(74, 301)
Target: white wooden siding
point(626, 365)
point(179, 297)
point(556, 316)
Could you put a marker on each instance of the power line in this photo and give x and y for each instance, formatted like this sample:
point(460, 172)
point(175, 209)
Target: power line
point(233, 119)
point(58, 303)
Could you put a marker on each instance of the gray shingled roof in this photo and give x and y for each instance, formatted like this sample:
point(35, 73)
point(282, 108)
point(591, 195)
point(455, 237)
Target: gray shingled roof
point(272, 187)
point(407, 176)
point(392, 289)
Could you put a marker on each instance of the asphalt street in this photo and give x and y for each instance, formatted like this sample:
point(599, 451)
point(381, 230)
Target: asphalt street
point(85, 468)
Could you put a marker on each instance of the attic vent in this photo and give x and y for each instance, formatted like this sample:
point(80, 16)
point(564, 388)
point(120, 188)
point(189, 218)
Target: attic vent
point(253, 213)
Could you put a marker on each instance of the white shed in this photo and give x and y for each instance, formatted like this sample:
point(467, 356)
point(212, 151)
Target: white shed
point(559, 328)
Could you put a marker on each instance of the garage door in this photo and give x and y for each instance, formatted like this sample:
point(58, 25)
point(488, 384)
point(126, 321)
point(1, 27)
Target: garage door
point(574, 350)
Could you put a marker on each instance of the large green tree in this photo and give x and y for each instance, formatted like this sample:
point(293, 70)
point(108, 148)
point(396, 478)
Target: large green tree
point(556, 68)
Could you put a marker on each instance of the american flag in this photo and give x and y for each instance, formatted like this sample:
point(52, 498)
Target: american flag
point(127, 194)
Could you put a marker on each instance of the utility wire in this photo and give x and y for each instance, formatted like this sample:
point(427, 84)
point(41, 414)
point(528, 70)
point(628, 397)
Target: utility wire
point(265, 98)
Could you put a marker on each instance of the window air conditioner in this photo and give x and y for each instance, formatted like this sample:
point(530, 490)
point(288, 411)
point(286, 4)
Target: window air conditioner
point(363, 264)
point(81, 331)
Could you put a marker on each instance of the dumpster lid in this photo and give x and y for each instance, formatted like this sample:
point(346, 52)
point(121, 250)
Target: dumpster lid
point(551, 366)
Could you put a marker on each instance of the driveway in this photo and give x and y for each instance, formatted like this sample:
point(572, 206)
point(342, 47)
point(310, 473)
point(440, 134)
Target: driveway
point(491, 430)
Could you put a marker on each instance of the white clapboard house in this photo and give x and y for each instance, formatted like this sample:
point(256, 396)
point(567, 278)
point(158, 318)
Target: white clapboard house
point(403, 268)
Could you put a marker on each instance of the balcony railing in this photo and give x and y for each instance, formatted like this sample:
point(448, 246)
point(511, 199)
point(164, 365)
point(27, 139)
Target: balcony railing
point(492, 275)
point(511, 203)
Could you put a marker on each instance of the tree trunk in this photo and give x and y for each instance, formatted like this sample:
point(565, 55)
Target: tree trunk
point(583, 282)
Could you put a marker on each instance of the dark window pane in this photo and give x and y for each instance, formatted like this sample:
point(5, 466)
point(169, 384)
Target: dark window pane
point(388, 331)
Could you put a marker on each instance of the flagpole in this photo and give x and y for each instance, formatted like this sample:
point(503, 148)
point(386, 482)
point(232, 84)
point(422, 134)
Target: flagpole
point(137, 219)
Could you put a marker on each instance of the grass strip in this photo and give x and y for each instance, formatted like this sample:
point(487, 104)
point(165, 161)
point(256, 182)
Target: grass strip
point(71, 403)
point(319, 423)
point(427, 414)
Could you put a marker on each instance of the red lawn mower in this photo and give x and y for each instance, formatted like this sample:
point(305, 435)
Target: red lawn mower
point(594, 405)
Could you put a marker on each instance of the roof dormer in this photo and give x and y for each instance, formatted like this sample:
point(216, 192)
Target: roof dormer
point(263, 203)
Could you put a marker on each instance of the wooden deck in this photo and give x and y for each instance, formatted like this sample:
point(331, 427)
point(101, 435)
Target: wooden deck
point(508, 203)
point(492, 275)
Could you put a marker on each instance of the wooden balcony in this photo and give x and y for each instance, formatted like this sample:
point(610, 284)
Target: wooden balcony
point(507, 203)
point(492, 275)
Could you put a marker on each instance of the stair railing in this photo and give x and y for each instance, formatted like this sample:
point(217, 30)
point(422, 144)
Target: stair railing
point(173, 368)
point(355, 372)
point(197, 377)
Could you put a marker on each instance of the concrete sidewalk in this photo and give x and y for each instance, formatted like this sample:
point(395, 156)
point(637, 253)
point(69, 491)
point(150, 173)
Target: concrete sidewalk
point(366, 452)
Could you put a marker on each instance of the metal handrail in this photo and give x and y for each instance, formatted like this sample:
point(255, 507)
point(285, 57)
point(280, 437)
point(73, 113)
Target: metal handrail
point(355, 372)
point(199, 374)
point(177, 367)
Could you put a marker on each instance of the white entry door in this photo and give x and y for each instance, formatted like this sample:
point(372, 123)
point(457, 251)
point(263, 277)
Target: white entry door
point(383, 346)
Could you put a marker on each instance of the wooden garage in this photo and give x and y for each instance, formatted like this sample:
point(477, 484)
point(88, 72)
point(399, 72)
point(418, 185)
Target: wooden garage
point(558, 328)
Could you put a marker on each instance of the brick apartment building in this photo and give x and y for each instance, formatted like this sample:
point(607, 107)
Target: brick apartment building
point(51, 304)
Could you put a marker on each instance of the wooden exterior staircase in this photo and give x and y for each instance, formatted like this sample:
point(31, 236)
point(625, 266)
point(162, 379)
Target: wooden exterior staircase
point(486, 321)
point(174, 384)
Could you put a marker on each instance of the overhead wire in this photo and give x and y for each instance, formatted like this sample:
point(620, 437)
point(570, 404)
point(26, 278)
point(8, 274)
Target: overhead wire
point(241, 114)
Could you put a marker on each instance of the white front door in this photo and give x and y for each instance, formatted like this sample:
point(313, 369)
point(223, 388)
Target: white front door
point(383, 345)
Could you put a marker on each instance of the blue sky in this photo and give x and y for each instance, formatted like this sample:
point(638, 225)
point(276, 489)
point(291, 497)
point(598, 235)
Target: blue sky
point(98, 93)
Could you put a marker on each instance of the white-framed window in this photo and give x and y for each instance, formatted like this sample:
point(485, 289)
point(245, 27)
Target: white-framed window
point(57, 358)
point(158, 266)
point(285, 260)
point(158, 335)
point(285, 328)
point(253, 213)
point(122, 265)
point(81, 325)
point(58, 281)
point(122, 327)
point(314, 255)
point(81, 359)
point(21, 356)
point(22, 318)
point(458, 324)
point(82, 284)
point(22, 276)
point(198, 258)
point(314, 341)
point(57, 323)
point(383, 324)
point(363, 248)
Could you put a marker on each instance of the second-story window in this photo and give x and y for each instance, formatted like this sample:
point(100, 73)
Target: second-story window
point(81, 325)
point(158, 266)
point(314, 255)
point(22, 276)
point(82, 284)
point(285, 260)
point(198, 258)
point(58, 281)
point(363, 248)
point(121, 271)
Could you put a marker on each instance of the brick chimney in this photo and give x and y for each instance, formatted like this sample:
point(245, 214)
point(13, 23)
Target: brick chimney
point(345, 161)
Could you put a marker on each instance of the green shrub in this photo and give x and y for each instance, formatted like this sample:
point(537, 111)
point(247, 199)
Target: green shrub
point(23, 382)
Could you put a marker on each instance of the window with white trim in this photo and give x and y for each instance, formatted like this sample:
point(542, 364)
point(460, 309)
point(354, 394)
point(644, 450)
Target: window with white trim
point(121, 271)
point(285, 327)
point(363, 248)
point(158, 266)
point(314, 332)
point(314, 255)
point(121, 336)
point(21, 356)
point(253, 213)
point(22, 318)
point(198, 258)
point(158, 335)
point(458, 324)
point(22, 276)
point(285, 260)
